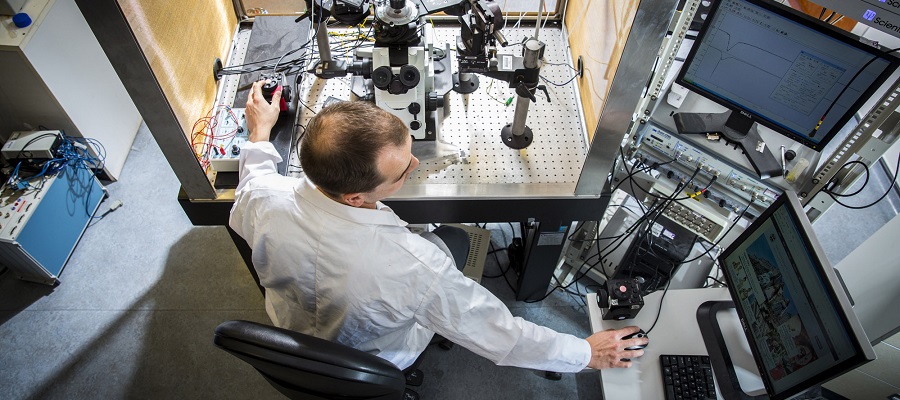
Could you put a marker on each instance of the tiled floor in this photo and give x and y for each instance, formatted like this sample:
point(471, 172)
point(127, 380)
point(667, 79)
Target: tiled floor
point(138, 302)
point(875, 380)
point(144, 290)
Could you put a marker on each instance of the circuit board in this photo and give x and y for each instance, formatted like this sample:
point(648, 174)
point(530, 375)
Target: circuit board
point(229, 138)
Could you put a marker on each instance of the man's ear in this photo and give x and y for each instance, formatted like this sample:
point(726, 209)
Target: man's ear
point(353, 199)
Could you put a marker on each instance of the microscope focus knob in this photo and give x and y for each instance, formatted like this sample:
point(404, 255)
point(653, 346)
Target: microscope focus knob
point(397, 87)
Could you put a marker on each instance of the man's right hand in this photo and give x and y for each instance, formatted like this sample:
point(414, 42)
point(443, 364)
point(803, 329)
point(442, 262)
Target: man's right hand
point(608, 348)
point(261, 115)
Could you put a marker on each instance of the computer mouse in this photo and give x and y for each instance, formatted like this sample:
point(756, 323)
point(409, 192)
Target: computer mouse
point(637, 335)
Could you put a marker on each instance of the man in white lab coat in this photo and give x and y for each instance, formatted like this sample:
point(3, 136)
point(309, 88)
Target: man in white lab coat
point(340, 265)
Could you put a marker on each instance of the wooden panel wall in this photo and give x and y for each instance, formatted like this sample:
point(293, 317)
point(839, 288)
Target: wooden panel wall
point(597, 33)
point(180, 40)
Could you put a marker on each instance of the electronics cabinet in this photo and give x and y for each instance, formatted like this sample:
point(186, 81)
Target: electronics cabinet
point(56, 74)
point(40, 226)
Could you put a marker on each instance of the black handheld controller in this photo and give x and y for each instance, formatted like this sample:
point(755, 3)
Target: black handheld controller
point(621, 299)
point(272, 84)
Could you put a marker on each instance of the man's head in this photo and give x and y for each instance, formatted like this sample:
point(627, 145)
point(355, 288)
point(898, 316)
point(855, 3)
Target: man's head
point(357, 153)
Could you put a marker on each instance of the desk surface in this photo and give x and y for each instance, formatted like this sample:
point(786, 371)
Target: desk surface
point(676, 332)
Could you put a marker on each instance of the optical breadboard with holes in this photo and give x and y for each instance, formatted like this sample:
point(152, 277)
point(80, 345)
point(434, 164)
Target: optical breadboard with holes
point(472, 150)
point(474, 123)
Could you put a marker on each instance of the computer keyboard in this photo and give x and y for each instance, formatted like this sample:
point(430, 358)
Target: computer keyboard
point(687, 377)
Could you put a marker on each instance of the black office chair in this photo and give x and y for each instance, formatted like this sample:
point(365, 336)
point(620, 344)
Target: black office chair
point(305, 367)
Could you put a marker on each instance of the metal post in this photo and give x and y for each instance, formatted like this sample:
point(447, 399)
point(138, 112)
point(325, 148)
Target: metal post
point(322, 41)
point(521, 114)
point(537, 27)
point(517, 135)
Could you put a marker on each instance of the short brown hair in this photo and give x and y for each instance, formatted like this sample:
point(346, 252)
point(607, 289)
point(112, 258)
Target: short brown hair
point(342, 142)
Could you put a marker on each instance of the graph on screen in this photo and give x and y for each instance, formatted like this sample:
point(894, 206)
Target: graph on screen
point(781, 70)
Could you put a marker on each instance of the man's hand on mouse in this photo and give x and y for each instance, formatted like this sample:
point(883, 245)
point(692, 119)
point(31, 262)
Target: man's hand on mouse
point(261, 115)
point(608, 348)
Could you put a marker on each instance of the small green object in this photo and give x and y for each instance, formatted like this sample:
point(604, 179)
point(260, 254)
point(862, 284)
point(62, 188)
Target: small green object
point(508, 101)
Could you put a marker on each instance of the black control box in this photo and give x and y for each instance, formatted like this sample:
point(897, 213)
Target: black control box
point(620, 300)
point(273, 82)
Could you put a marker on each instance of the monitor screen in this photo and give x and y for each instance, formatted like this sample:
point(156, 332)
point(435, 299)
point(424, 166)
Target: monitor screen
point(797, 319)
point(783, 69)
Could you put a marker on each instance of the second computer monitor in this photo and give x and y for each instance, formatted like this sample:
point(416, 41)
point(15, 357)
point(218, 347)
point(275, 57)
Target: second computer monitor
point(797, 319)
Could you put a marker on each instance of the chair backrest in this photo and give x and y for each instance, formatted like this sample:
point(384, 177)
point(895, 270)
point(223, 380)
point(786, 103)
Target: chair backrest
point(306, 367)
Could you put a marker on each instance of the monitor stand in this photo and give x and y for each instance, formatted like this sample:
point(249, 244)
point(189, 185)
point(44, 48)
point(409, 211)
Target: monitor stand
point(721, 362)
point(735, 128)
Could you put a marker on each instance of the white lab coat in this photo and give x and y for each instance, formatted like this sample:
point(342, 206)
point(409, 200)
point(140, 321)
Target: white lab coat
point(359, 277)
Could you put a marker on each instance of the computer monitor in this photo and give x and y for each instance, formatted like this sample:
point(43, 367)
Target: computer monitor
point(797, 318)
point(772, 65)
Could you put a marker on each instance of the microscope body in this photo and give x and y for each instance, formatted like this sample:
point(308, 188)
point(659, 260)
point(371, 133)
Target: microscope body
point(407, 79)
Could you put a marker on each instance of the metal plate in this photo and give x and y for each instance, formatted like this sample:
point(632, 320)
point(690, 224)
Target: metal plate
point(230, 83)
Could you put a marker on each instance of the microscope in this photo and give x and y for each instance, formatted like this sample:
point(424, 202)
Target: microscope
point(407, 75)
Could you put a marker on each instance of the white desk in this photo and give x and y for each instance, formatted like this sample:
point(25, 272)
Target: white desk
point(676, 332)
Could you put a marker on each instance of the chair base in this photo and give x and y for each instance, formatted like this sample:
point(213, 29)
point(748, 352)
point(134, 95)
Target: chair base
point(414, 377)
point(410, 394)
